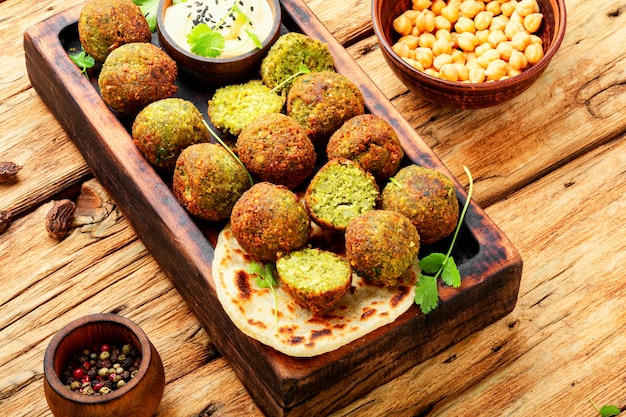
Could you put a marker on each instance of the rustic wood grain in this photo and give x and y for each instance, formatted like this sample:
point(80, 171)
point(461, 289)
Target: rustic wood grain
point(561, 344)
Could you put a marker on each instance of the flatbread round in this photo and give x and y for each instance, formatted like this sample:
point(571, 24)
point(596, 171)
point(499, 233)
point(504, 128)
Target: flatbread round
point(294, 330)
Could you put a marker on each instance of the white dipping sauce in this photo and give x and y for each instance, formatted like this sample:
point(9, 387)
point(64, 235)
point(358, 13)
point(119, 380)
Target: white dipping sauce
point(180, 18)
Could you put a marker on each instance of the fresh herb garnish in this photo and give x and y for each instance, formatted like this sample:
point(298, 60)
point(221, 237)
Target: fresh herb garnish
point(230, 151)
point(83, 61)
point(606, 410)
point(149, 8)
point(265, 279)
point(302, 69)
point(439, 265)
point(206, 41)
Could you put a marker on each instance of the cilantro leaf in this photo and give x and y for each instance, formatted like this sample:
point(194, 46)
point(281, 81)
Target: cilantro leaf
point(609, 411)
point(265, 278)
point(432, 263)
point(444, 266)
point(83, 61)
point(426, 294)
point(450, 273)
point(149, 8)
point(205, 41)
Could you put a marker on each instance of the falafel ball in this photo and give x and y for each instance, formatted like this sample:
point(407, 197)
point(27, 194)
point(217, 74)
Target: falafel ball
point(315, 278)
point(340, 191)
point(275, 149)
point(381, 245)
point(269, 220)
point(104, 25)
point(425, 196)
point(208, 181)
point(135, 75)
point(288, 54)
point(322, 101)
point(233, 107)
point(164, 128)
point(372, 142)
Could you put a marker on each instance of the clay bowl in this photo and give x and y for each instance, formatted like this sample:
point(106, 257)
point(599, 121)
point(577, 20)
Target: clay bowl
point(217, 71)
point(459, 94)
point(140, 397)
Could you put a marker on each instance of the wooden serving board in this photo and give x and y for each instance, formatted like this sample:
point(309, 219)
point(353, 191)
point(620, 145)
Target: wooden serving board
point(282, 386)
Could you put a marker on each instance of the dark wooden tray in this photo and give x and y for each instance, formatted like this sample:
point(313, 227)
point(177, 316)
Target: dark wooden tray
point(281, 386)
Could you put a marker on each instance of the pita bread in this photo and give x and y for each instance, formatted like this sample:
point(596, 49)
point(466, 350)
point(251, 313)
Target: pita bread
point(294, 331)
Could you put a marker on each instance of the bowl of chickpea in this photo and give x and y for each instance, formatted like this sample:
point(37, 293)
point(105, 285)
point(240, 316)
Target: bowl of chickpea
point(469, 54)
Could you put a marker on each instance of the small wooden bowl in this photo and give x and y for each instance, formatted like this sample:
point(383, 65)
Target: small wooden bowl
point(459, 94)
point(217, 71)
point(140, 397)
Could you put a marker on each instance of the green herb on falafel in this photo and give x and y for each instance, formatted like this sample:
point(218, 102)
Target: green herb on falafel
point(426, 293)
point(302, 69)
point(264, 279)
point(83, 61)
point(230, 151)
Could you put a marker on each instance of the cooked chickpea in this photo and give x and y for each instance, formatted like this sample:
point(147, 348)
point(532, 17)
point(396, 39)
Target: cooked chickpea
point(464, 24)
point(496, 37)
point(427, 40)
point(493, 7)
point(402, 25)
point(477, 75)
point(532, 22)
point(534, 53)
point(518, 60)
point(508, 8)
point(424, 56)
point(420, 5)
point(470, 40)
point(495, 70)
point(410, 40)
point(512, 28)
point(483, 20)
point(521, 40)
point(442, 60)
point(450, 13)
point(526, 7)
point(449, 72)
point(442, 23)
point(442, 46)
point(470, 8)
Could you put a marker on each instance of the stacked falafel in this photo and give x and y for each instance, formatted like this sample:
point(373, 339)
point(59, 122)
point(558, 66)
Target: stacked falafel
point(281, 123)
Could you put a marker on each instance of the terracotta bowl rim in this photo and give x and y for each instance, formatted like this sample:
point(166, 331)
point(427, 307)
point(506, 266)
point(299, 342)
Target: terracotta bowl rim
point(559, 33)
point(165, 37)
point(54, 380)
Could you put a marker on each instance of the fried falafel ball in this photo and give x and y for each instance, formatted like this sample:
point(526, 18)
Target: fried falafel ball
point(275, 149)
point(208, 181)
point(233, 107)
point(322, 101)
point(381, 245)
point(164, 128)
point(425, 196)
point(317, 279)
point(340, 191)
point(104, 25)
point(269, 220)
point(372, 142)
point(135, 75)
point(288, 54)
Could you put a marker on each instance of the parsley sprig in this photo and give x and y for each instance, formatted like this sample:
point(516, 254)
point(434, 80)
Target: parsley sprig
point(439, 265)
point(83, 61)
point(265, 279)
point(230, 151)
point(207, 41)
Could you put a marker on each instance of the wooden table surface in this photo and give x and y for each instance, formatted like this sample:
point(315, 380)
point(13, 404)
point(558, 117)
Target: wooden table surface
point(549, 168)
